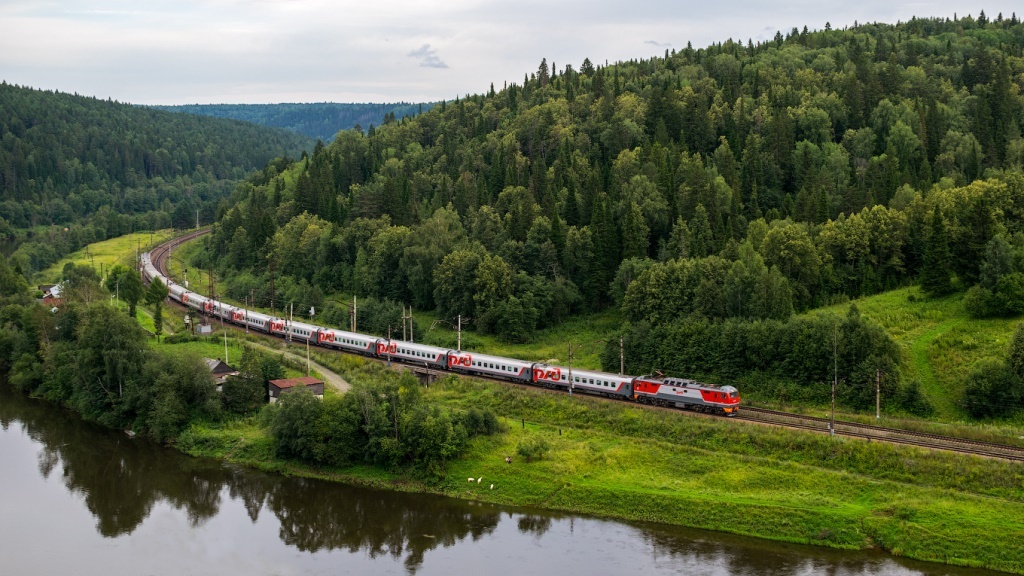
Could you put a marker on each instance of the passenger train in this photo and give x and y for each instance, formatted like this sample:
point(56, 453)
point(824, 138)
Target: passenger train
point(648, 389)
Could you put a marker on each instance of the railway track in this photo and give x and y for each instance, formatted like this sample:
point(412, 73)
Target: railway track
point(762, 416)
point(883, 434)
point(160, 254)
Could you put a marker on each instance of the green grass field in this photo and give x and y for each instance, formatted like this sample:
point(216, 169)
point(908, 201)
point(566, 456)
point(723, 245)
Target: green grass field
point(104, 255)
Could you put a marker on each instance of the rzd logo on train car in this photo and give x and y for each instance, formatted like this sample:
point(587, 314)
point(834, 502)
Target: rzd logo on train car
point(237, 316)
point(383, 348)
point(326, 337)
point(277, 325)
point(456, 361)
point(551, 374)
point(184, 298)
point(208, 307)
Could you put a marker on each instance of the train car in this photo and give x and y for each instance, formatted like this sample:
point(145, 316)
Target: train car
point(682, 393)
point(176, 291)
point(349, 341)
point(277, 326)
point(257, 320)
point(225, 311)
point(492, 366)
point(302, 332)
point(197, 301)
point(589, 381)
point(410, 352)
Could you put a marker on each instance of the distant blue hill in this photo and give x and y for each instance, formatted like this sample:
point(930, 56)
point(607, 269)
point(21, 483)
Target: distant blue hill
point(319, 120)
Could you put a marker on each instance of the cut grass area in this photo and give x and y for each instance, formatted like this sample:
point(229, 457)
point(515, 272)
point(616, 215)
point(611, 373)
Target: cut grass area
point(615, 460)
point(104, 255)
point(940, 342)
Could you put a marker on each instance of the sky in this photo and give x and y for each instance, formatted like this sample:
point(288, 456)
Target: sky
point(264, 51)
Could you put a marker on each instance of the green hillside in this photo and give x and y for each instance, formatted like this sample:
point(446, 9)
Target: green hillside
point(320, 120)
point(712, 195)
point(940, 340)
point(75, 170)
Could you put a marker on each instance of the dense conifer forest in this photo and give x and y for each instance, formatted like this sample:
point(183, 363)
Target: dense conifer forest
point(320, 120)
point(102, 169)
point(737, 183)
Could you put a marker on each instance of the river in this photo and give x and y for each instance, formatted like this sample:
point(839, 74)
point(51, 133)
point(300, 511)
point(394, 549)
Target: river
point(79, 499)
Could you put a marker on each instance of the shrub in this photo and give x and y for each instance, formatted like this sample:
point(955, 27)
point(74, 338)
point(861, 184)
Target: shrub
point(981, 303)
point(991, 389)
point(533, 448)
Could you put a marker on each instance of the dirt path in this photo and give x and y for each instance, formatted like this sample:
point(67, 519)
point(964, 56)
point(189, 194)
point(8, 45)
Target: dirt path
point(330, 378)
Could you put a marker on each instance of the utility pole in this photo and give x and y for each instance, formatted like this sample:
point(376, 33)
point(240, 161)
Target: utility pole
point(570, 369)
point(273, 311)
point(225, 335)
point(459, 347)
point(197, 219)
point(389, 347)
point(354, 313)
point(622, 358)
point(412, 338)
point(291, 318)
point(403, 323)
point(835, 378)
point(878, 394)
point(307, 356)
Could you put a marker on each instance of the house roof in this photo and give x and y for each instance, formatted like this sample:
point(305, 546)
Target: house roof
point(290, 382)
point(218, 367)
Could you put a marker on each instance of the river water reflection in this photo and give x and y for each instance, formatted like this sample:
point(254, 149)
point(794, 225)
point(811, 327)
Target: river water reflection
point(76, 499)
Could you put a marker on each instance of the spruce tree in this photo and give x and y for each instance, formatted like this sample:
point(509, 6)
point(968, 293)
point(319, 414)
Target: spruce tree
point(1016, 356)
point(935, 275)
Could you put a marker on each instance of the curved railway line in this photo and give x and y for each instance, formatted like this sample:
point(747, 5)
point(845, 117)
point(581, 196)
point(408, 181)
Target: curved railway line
point(762, 416)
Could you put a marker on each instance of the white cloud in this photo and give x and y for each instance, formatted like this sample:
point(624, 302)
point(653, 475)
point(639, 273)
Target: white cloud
point(165, 51)
point(427, 57)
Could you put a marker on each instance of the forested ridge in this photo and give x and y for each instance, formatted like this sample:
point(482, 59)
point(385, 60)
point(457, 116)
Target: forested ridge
point(737, 183)
point(320, 120)
point(103, 168)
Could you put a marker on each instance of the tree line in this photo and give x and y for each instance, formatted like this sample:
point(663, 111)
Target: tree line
point(64, 157)
point(573, 172)
point(320, 120)
point(734, 183)
point(90, 356)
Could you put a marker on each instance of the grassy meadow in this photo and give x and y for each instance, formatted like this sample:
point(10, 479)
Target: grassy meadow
point(940, 341)
point(104, 255)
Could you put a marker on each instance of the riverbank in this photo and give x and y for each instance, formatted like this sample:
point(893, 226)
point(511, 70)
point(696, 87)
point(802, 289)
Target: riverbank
point(615, 460)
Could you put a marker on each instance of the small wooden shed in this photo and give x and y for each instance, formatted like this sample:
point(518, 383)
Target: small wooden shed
point(221, 371)
point(286, 385)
